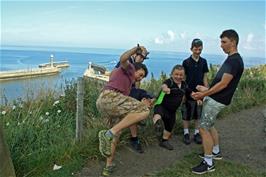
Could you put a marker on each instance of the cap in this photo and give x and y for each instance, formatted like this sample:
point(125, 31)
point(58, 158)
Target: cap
point(145, 56)
point(141, 53)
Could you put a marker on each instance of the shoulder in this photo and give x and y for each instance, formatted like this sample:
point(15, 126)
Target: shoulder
point(203, 60)
point(184, 84)
point(186, 61)
point(168, 82)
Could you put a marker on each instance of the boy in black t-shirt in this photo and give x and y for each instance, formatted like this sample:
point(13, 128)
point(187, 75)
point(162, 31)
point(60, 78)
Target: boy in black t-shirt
point(196, 69)
point(216, 98)
point(143, 96)
point(170, 98)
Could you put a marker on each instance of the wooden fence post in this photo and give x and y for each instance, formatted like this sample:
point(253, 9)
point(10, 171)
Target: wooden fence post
point(80, 109)
point(6, 165)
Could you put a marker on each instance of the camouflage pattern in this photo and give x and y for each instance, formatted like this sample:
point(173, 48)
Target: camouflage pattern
point(114, 106)
point(210, 110)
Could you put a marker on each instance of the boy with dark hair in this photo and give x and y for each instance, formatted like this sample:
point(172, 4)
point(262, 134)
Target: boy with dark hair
point(196, 69)
point(119, 109)
point(136, 59)
point(145, 97)
point(170, 98)
point(216, 98)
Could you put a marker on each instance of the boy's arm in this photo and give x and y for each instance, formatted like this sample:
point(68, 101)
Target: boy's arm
point(205, 80)
point(165, 89)
point(125, 56)
point(226, 79)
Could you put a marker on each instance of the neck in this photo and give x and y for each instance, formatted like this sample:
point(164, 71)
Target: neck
point(232, 52)
point(196, 58)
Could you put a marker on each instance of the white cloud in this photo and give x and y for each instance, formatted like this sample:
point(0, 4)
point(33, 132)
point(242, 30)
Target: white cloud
point(248, 42)
point(183, 35)
point(165, 38)
point(171, 35)
point(158, 40)
point(250, 37)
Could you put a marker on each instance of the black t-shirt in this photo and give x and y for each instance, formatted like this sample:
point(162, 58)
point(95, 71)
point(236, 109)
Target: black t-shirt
point(232, 65)
point(139, 94)
point(195, 71)
point(173, 100)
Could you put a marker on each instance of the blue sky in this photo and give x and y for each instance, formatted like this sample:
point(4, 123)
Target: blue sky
point(160, 25)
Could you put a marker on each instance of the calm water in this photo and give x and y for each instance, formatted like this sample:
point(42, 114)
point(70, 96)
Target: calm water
point(13, 59)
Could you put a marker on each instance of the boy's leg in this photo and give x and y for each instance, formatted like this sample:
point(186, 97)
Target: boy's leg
point(197, 137)
point(130, 119)
point(118, 106)
point(158, 122)
point(186, 111)
point(169, 122)
point(109, 160)
point(133, 130)
point(109, 167)
point(196, 116)
point(134, 140)
point(106, 137)
point(209, 113)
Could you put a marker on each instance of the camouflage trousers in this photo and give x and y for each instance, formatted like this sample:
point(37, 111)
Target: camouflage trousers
point(114, 106)
point(210, 110)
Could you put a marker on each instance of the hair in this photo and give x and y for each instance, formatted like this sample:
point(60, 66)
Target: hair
point(178, 67)
point(196, 43)
point(139, 66)
point(230, 34)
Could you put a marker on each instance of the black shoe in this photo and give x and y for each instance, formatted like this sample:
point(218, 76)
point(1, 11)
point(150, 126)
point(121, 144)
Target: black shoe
point(166, 145)
point(186, 139)
point(203, 167)
point(159, 128)
point(217, 156)
point(136, 146)
point(197, 138)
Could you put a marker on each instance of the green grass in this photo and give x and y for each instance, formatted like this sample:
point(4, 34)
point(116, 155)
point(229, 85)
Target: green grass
point(223, 169)
point(41, 132)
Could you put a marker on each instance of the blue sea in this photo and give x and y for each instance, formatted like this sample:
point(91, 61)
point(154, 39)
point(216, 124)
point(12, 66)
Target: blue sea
point(14, 58)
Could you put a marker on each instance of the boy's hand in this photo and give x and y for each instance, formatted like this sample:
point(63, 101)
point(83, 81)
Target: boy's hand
point(165, 89)
point(201, 88)
point(199, 102)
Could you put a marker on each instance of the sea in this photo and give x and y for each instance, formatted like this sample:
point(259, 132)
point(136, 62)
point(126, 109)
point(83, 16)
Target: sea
point(16, 58)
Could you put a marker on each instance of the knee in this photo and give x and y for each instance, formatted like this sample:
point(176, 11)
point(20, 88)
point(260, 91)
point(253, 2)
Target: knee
point(203, 131)
point(145, 115)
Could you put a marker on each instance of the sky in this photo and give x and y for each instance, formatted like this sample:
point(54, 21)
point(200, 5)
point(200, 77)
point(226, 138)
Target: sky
point(158, 25)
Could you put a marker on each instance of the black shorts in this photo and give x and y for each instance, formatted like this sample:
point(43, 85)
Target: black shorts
point(190, 110)
point(168, 117)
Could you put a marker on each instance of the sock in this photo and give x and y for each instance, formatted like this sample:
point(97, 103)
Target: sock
point(216, 149)
point(186, 131)
point(134, 138)
point(109, 134)
point(196, 131)
point(208, 159)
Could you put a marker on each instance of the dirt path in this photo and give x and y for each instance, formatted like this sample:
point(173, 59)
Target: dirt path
point(243, 140)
